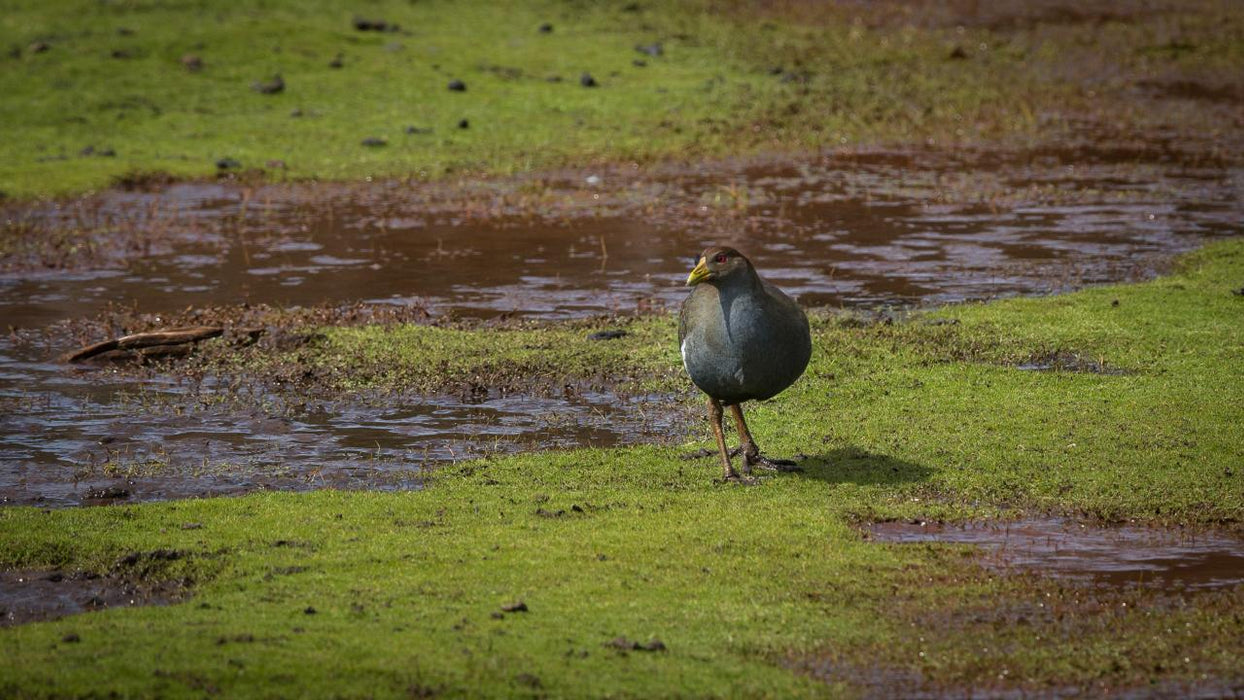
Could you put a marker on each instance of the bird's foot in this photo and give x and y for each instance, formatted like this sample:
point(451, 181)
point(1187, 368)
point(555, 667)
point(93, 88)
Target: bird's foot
point(759, 461)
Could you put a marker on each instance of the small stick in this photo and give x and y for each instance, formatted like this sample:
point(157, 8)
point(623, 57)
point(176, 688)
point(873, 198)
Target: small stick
point(171, 336)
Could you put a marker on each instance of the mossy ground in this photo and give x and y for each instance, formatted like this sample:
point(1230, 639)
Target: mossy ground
point(97, 93)
point(755, 591)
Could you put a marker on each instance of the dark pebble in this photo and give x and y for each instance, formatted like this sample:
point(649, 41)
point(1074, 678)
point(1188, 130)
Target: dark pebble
point(654, 49)
point(654, 645)
point(272, 87)
point(337, 62)
point(88, 151)
point(958, 53)
point(71, 638)
point(374, 142)
point(373, 25)
point(227, 164)
point(520, 606)
point(639, 63)
point(309, 610)
point(586, 80)
point(1114, 303)
point(464, 124)
point(457, 86)
point(607, 335)
point(546, 28)
point(1238, 292)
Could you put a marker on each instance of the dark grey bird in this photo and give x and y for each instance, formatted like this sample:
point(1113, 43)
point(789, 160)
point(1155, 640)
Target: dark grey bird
point(742, 339)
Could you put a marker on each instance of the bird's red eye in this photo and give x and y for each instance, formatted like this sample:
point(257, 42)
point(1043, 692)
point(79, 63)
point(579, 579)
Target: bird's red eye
point(721, 257)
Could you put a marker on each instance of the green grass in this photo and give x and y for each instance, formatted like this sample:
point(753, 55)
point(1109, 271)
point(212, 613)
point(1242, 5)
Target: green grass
point(744, 585)
point(734, 78)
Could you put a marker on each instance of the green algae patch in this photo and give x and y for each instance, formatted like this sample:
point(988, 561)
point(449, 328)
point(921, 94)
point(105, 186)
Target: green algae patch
point(632, 572)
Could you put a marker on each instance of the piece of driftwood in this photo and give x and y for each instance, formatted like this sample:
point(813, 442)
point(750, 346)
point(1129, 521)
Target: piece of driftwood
point(150, 339)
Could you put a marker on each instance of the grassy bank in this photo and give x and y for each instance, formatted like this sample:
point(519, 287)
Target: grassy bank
point(131, 93)
point(764, 590)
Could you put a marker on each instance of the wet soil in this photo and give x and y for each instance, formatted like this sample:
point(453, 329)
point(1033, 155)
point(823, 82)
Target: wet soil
point(31, 596)
point(858, 229)
point(1120, 556)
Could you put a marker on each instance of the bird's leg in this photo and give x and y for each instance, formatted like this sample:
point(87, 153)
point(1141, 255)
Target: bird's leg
point(715, 416)
point(751, 453)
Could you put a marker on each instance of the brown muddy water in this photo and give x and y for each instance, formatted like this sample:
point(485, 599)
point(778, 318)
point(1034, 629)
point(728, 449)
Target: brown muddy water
point(1116, 556)
point(866, 231)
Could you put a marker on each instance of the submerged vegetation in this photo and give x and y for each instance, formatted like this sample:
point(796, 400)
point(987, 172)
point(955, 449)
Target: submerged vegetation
point(593, 570)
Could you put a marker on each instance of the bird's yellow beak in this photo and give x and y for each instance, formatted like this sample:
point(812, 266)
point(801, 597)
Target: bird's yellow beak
point(699, 273)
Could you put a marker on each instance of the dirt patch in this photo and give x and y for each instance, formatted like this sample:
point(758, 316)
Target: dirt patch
point(33, 596)
point(1063, 361)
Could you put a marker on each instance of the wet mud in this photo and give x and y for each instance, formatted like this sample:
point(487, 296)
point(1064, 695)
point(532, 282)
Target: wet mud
point(1120, 556)
point(32, 596)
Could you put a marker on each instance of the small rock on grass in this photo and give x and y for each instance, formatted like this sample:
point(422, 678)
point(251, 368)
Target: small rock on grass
point(418, 130)
point(586, 80)
point(227, 164)
point(607, 335)
point(546, 28)
point(374, 142)
point(624, 644)
point(457, 86)
point(270, 87)
point(654, 49)
point(519, 606)
point(338, 61)
point(464, 124)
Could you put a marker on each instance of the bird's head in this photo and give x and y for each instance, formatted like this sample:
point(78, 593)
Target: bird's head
point(718, 263)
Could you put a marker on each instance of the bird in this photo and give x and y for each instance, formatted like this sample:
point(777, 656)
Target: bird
point(741, 339)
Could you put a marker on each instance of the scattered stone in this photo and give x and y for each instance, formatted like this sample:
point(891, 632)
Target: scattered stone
point(958, 53)
point(374, 142)
point(639, 63)
point(192, 63)
point(373, 25)
point(546, 28)
point(1115, 304)
point(338, 61)
point(271, 87)
point(624, 644)
point(227, 164)
point(308, 611)
point(71, 638)
point(457, 86)
point(654, 49)
point(528, 680)
point(39, 47)
point(464, 124)
point(608, 335)
point(586, 80)
point(519, 606)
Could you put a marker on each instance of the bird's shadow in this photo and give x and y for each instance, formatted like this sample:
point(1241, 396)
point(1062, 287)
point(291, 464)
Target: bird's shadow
point(853, 465)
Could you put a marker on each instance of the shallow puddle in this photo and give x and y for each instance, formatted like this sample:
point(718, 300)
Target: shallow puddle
point(860, 231)
point(1114, 556)
point(77, 435)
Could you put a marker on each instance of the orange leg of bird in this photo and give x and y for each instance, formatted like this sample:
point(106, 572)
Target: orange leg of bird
point(715, 416)
point(751, 453)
